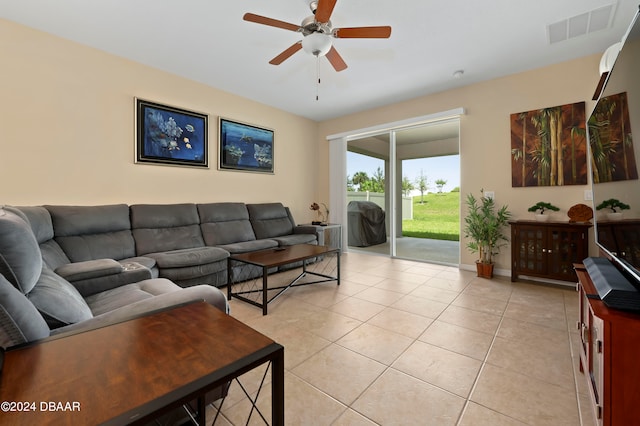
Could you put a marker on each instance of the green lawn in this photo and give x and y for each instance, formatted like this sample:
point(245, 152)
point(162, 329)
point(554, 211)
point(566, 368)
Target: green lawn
point(437, 218)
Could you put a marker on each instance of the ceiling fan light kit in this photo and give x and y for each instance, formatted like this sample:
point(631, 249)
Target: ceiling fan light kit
point(318, 44)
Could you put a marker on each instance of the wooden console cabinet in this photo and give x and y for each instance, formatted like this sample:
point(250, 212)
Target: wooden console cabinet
point(609, 356)
point(548, 249)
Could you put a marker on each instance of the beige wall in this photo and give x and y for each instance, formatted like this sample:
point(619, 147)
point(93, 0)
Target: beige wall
point(67, 119)
point(485, 142)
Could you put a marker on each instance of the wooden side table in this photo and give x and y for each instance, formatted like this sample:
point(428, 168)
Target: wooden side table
point(134, 371)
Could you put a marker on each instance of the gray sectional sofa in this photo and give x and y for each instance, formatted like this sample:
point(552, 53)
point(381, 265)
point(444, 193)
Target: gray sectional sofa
point(70, 267)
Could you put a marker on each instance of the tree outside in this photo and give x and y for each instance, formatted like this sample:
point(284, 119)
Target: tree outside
point(423, 185)
point(407, 186)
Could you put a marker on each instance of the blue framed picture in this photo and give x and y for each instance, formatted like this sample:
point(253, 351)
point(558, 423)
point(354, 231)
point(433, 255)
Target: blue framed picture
point(245, 147)
point(171, 136)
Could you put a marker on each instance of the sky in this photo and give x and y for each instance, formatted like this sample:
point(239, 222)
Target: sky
point(434, 168)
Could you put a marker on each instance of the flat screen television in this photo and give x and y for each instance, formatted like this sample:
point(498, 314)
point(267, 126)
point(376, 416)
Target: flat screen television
point(614, 134)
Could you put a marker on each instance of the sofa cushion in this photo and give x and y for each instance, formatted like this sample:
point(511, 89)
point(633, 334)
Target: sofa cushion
point(293, 239)
point(269, 220)
point(195, 275)
point(40, 221)
point(20, 321)
point(119, 297)
point(209, 294)
point(188, 257)
point(130, 272)
point(58, 301)
point(225, 223)
point(90, 269)
point(19, 249)
point(247, 246)
point(93, 232)
point(42, 227)
point(158, 227)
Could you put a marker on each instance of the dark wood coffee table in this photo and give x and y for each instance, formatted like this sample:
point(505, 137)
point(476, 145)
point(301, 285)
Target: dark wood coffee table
point(272, 258)
point(131, 372)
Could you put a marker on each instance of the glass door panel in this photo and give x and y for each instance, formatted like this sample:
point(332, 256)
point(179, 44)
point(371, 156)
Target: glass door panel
point(369, 204)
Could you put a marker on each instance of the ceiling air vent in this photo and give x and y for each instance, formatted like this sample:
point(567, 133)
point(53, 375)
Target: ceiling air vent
point(585, 23)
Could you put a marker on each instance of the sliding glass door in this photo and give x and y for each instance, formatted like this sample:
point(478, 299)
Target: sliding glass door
point(402, 192)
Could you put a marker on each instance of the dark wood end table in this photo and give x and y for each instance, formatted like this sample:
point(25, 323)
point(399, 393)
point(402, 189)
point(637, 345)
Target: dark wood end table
point(133, 371)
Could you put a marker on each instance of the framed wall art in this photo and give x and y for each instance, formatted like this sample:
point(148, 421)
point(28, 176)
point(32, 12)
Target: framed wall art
point(169, 135)
point(245, 147)
point(549, 146)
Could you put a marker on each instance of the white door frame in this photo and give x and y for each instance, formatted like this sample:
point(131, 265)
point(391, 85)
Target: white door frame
point(338, 163)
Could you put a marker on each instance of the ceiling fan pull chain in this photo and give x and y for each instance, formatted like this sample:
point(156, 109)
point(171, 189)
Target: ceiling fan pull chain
point(318, 74)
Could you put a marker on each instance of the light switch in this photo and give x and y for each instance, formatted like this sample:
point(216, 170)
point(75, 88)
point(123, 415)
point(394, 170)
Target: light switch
point(490, 194)
point(588, 195)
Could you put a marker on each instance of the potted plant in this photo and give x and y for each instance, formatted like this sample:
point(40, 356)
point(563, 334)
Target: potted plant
point(613, 205)
point(539, 209)
point(484, 226)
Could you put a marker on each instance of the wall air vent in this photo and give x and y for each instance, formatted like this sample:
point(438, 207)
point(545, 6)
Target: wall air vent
point(579, 25)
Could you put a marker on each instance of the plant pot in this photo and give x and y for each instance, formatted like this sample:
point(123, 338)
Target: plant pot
point(614, 216)
point(542, 217)
point(485, 270)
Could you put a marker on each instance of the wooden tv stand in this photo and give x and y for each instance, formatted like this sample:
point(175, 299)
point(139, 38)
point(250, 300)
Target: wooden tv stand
point(609, 356)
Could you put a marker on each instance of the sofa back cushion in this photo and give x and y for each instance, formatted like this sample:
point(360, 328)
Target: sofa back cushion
point(40, 221)
point(93, 232)
point(20, 321)
point(58, 301)
point(42, 227)
point(19, 250)
point(269, 220)
point(159, 227)
point(225, 223)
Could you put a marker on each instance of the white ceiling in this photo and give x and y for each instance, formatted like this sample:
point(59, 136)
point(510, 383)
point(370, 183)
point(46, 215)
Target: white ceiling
point(207, 41)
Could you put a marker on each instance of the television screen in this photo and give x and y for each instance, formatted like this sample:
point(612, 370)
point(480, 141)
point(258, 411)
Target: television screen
point(614, 128)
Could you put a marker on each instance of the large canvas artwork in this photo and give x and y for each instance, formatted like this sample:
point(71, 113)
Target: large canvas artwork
point(169, 135)
point(245, 147)
point(613, 158)
point(549, 146)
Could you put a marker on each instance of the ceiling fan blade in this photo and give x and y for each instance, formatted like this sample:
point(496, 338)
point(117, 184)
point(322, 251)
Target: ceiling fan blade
point(271, 22)
point(363, 32)
point(336, 60)
point(324, 10)
point(286, 54)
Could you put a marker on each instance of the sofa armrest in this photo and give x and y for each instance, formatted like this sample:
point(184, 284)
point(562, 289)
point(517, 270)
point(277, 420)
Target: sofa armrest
point(196, 294)
point(90, 269)
point(96, 276)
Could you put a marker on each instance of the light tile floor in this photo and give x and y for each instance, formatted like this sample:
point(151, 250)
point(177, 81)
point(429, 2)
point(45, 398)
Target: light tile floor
point(401, 343)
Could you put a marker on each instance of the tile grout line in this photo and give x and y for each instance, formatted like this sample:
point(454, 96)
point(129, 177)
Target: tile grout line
point(484, 363)
point(389, 367)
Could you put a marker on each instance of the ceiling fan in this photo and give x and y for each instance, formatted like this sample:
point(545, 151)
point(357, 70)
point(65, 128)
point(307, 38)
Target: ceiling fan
point(318, 32)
